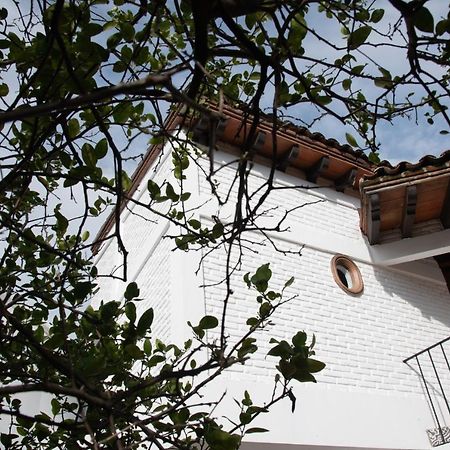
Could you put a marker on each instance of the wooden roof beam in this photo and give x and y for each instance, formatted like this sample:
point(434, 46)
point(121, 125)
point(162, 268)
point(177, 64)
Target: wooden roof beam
point(259, 141)
point(409, 210)
point(290, 156)
point(373, 219)
point(445, 214)
point(203, 129)
point(200, 131)
point(444, 264)
point(221, 126)
point(346, 180)
point(317, 169)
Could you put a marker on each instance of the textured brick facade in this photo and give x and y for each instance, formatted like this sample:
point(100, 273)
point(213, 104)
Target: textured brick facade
point(363, 338)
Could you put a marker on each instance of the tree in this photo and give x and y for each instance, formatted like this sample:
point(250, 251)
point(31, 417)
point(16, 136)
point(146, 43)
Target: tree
point(83, 83)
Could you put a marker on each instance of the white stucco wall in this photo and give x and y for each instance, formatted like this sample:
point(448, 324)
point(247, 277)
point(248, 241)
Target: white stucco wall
point(363, 339)
point(148, 262)
point(366, 397)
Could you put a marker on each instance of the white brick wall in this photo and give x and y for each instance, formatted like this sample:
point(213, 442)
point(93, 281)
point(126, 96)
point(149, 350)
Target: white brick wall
point(326, 212)
point(148, 259)
point(363, 339)
point(154, 281)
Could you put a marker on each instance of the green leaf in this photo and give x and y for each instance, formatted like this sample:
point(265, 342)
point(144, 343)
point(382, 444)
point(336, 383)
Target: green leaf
point(304, 377)
point(16, 403)
point(208, 322)
point(132, 291)
point(261, 277)
point(92, 29)
point(386, 80)
point(297, 32)
point(423, 20)
point(147, 347)
point(351, 140)
point(283, 93)
point(122, 112)
point(56, 407)
point(61, 223)
point(247, 401)
point(126, 181)
point(194, 223)
point(133, 351)
point(199, 332)
point(180, 163)
point(182, 242)
point(82, 289)
point(383, 83)
point(130, 311)
point(25, 422)
point(346, 84)
point(101, 149)
point(256, 430)
point(287, 369)
point(170, 192)
point(4, 90)
point(153, 189)
point(314, 365)
point(250, 20)
point(289, 282)
point(357, 70)
point(127, 30)
point(443, 26)
point(299, 340)
point(73, 127)
point(323, 99)
point(358, 37)
point(145, 322)
point(377, 15)
point(265, 309)
point(374, 157)
point(7, 439)
point(88, 154)
point(217, 230)
point(113, 40)
point(218, 439)
point(180, 417)
point(109, 310)
point(282, 349)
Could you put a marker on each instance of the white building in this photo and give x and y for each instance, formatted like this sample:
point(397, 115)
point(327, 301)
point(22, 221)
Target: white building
point(391, 222)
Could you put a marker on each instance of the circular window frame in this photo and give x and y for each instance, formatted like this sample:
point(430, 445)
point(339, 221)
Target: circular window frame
point(357, 286)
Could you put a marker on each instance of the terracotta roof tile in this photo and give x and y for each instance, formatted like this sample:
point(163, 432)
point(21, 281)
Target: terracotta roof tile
point(387, 169)
point(319, 137)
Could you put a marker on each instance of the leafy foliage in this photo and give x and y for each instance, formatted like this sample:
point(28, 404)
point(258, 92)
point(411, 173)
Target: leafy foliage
point(85, 85)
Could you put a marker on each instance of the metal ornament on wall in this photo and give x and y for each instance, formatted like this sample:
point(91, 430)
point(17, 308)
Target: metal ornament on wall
point(438, 436)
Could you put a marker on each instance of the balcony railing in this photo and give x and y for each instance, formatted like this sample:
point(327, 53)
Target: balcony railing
point(434, 370)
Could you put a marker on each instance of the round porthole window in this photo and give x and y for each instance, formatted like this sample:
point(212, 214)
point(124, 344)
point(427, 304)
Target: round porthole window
point(346, 274)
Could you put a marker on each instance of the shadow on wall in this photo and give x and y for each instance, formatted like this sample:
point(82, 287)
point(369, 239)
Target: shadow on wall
point(421, 306)
point(422, 309)
point(432, 370)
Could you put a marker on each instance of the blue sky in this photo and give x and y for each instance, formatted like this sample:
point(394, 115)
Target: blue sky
point(402, 140)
